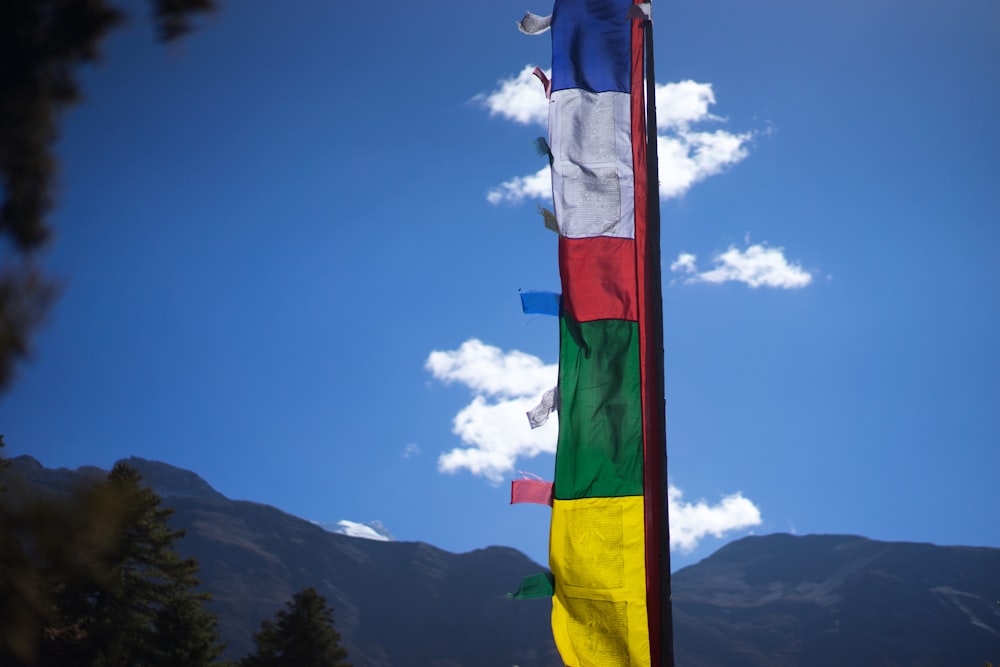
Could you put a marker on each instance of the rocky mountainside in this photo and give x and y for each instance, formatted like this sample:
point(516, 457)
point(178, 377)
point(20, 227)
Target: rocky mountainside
point(838, 600)
point(394, 603)
point(775, 601)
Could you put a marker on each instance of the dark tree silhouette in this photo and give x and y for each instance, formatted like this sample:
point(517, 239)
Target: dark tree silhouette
point(140, 606)
point(95, 579)
point(42, 45)
point(301, 634)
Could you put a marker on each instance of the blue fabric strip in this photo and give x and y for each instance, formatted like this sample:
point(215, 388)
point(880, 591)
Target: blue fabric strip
point(540, 303)
point(591, 45)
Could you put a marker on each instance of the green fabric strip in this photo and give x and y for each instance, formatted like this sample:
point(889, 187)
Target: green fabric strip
point(542, 585)
point(600, 416)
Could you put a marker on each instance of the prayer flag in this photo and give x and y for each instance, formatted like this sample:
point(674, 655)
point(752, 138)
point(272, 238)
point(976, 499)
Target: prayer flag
point(608, 538)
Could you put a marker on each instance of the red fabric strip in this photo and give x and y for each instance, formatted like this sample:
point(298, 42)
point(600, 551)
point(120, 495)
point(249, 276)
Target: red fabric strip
point(540, 75)
point(531, 491)
point(647, 236)
point(598, 278)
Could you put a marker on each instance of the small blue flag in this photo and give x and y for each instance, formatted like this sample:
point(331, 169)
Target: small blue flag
point(540, 303)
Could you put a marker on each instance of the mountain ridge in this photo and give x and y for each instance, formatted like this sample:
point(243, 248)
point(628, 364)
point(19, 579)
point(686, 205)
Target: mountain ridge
point(773, 600)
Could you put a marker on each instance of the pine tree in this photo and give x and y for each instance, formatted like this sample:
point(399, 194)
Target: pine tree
point(130, 598)
point(301, 634)
point(187, 633)
point(21, 610)
point(27, 527)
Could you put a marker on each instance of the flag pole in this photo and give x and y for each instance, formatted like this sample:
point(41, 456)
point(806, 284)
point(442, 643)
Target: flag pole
point(657, 523)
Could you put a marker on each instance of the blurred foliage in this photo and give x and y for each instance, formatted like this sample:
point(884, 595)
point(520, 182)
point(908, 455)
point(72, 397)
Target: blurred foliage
point(25, 297)
point(43, 43)
point(94, 579)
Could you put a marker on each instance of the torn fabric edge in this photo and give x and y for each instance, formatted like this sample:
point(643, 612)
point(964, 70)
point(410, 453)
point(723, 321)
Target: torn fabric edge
point(546, 81)
point(642, 11)
point(541, 585)
point(539, 414)
point(542, 146)
point(549, 218)
point(533, 24)
point(534, 302)
point(531, 491)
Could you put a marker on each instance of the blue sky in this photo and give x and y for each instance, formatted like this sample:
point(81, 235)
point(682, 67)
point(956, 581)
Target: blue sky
point(292, 247)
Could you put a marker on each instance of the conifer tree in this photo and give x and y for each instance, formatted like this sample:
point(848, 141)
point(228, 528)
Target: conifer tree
point(187, 633)
point(131, 598)
point(20, 608)
point(301, 634)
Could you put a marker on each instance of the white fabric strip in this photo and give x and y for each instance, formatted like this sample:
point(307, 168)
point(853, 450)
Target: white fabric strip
point(539, 414)
point(533, 24)
point(641, 11)
point(590, 135)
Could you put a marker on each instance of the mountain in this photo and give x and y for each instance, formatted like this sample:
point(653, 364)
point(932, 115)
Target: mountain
point(394, 603)
point(774, 601)
point(835, 600)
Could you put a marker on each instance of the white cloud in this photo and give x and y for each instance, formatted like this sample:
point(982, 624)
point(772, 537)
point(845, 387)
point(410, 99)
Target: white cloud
point(690, 522)
point(494, 427)
point(411, 450)
point(685, 263)
point(489, 370)
point(686, 156)
point(757, 266)
point(495, 433)
point(519, 188)
point(520, 98)
point(682, 103)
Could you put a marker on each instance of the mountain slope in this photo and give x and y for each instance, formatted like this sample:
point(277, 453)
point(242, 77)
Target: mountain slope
point(838, 600)
point(771, 601)
point(395, 603)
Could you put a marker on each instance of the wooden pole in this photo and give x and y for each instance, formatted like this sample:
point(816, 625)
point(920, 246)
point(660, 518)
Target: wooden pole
point(655, 455)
